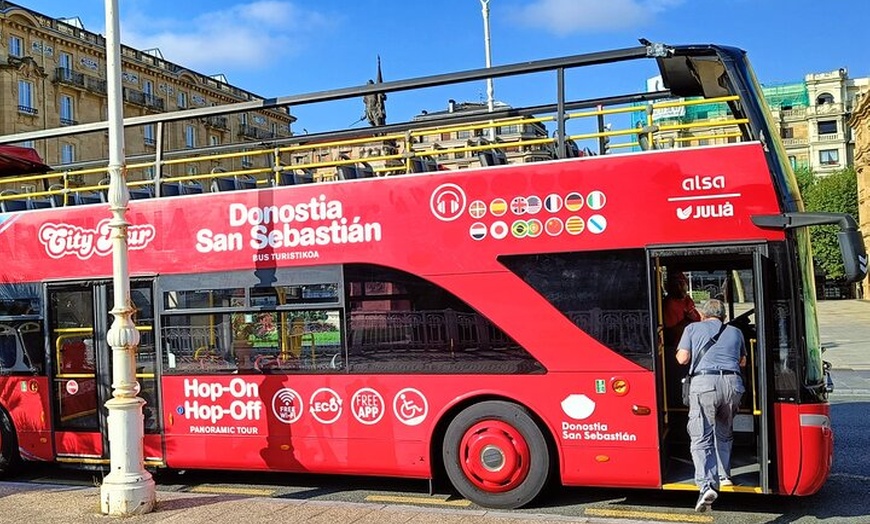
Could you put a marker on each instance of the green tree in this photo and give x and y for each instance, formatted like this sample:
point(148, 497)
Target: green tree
point(806, 179)
point(835, 193)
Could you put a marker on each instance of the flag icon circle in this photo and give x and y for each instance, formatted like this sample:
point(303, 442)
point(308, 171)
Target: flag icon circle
point(574, 201)
point(553, 226)
point(498, 207)
point(477, 209)
point(498, 230)
point(535, 228)
point(520, 228)
point(477, 231)
point(596, 200)
point(533, 205)
point(519, 205)
point(596, 224)
point(574, 225)
point(553, 203)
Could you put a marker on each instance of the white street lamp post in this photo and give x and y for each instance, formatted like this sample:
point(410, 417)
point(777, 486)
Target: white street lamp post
point(128, 489)
point(490, 101)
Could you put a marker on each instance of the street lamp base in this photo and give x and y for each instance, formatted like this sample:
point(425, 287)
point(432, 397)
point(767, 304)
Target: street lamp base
point(121, 497)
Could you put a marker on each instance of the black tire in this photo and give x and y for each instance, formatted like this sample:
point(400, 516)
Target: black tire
point(9, 456)
point(496, 456)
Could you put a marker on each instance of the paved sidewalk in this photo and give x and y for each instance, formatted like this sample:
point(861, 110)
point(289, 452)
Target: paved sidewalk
point(844, 326)
point(23, 503)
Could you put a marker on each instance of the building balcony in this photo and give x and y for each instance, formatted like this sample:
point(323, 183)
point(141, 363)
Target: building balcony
point(27, 110)
point(256, 133)
point(829, 138)
point(68, 121)
point(795, 142)
point(826, 110)
point(69, 77)
point(216, 122)
point(143, 99)
point(797, 113)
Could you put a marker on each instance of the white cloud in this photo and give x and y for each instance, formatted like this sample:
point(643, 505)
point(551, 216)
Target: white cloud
point(245, 36)
point(563, 17)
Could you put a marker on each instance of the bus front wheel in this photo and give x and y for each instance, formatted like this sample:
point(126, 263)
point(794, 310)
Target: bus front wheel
point(9, 457)
point(496, 456)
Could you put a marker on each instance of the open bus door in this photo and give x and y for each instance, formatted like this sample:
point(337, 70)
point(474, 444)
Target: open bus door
point(81, 369)
point(735, 275)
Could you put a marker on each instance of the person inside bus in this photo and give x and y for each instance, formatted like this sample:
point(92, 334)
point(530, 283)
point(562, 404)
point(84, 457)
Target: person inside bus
point(714, 397)
point(679, 309)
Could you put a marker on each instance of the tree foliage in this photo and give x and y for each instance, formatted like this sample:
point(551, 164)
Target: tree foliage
point(834, 193)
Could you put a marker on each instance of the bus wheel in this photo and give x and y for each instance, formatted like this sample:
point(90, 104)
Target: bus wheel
point(496, 456)
point(9, 457)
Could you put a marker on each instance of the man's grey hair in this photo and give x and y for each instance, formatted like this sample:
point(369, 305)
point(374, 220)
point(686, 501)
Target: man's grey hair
point(713, 308)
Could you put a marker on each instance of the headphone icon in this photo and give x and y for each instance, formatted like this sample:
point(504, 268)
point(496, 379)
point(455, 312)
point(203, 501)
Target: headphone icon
point(447, 199)
point(447, 202)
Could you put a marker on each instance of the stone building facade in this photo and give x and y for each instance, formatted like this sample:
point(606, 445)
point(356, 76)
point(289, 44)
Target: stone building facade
point(860, 123)
point(53, 74)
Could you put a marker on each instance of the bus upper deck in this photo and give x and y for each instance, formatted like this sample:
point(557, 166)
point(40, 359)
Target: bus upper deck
point(698, 102)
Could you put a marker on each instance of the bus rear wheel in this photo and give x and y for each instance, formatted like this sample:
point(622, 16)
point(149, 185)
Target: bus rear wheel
point(496, 456)
point(9, 457)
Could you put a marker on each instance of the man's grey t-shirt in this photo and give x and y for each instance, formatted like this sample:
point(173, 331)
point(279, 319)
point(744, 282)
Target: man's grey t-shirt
point(723, 355)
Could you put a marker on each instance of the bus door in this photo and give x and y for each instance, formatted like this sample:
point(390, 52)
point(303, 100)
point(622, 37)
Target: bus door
point(734, 275)
point(81, 368)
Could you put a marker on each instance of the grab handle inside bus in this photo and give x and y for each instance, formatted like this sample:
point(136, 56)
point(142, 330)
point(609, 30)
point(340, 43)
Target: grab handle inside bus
point(851, 243)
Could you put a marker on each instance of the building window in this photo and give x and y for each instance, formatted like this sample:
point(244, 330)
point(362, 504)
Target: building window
point(27, 143)
point(786, 132)
point(182, 100)
point(16, 45)
point(65, 61)
point(148, 87)
point(67, 154)
point(25, 97)
point(825, 98)
point(828, 127)
point(792, 160)
point(829, 157)
point(214, 140)
point(67, 114)
point(148, 131)
point(189, 137)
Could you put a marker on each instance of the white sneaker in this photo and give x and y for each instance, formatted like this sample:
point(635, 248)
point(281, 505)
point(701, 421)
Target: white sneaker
point(725, 481)
point(705, 500)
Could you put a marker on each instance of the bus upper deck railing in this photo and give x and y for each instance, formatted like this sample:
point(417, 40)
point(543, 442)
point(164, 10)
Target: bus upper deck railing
point(635, 122)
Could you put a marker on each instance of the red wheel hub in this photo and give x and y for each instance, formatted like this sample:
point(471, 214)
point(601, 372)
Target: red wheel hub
point(494, 456)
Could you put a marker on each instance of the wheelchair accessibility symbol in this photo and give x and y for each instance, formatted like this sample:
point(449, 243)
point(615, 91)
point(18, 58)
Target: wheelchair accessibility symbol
point(410, 407)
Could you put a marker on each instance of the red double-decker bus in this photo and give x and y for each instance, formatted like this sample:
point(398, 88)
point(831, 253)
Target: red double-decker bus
point(370, 310)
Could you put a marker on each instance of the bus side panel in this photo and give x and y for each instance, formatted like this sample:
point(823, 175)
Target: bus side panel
point(805, 447)
point(26, 400)
point(383, 424)
point(615, 437)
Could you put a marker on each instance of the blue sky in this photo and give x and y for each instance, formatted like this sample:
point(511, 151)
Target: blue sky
point(286, 47)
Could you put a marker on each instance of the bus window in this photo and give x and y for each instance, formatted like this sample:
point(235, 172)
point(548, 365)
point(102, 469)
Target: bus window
point(605, 293)
point(400, 323)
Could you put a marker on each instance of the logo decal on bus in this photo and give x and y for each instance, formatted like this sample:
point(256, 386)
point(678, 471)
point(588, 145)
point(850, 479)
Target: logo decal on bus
point(325, 405)
point(410, 407)
point(578, 406)
point(61, 240)
point(706, 211)
point(367, 406)
point(447, 202)
point(287, 405)
point(316, 223)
